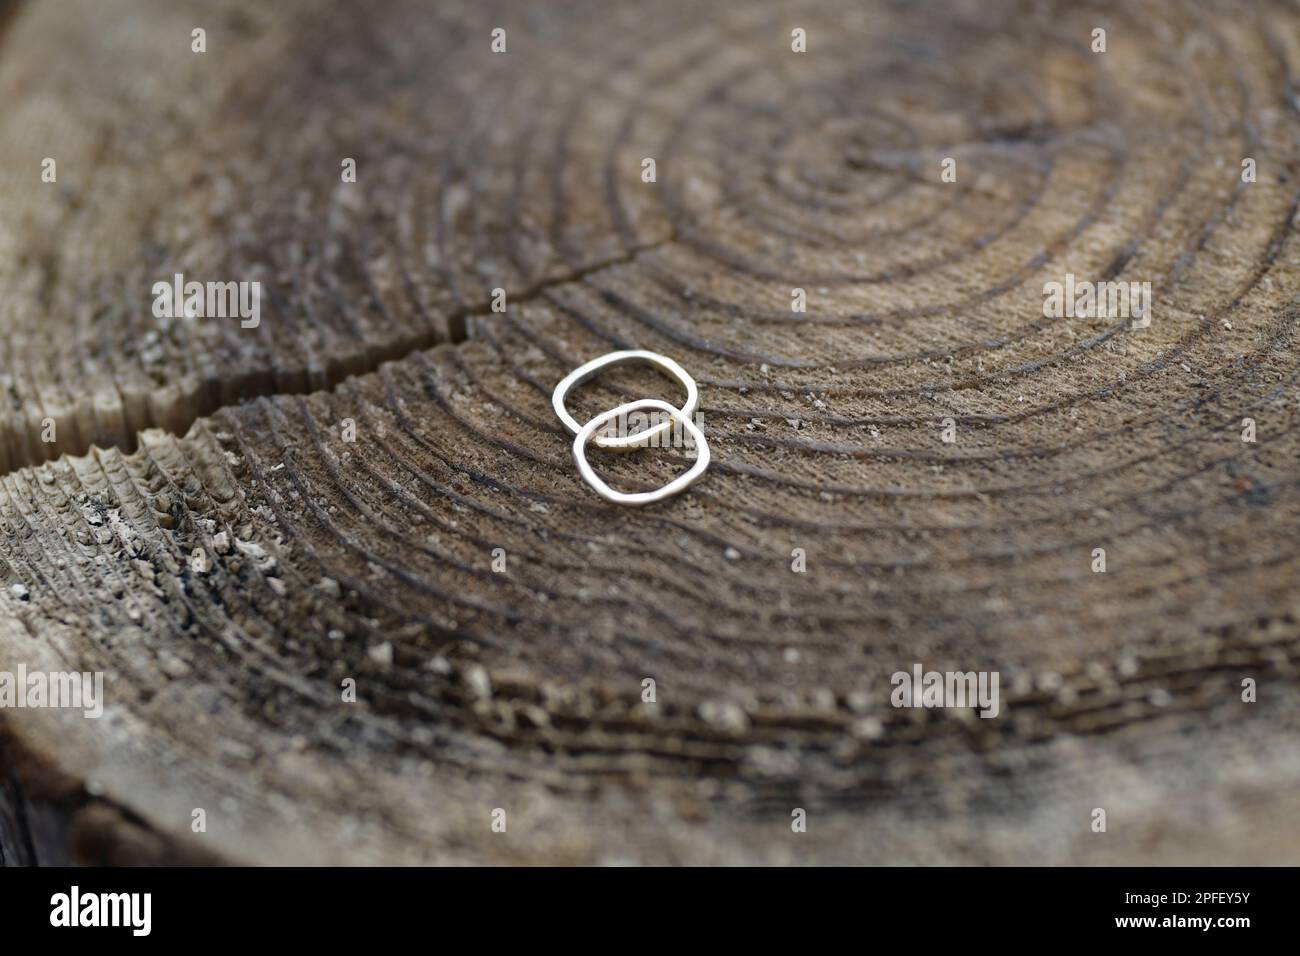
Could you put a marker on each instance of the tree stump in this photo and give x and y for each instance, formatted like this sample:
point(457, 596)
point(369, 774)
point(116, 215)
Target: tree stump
point(233, 523)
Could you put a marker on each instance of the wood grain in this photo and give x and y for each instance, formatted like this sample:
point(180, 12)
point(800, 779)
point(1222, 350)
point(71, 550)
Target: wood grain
point(326, 559)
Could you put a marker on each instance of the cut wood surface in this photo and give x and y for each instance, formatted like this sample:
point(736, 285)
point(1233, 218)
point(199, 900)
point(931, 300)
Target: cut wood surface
point(322, 559)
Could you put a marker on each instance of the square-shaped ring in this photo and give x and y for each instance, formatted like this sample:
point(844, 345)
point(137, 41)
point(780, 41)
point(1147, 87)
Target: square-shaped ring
point(593, 368)
point(676, 486)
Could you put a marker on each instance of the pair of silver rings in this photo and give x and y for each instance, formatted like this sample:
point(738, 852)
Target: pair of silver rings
point(640, 439)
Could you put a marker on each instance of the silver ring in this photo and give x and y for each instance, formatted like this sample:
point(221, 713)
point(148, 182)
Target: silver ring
point(677, 485)
point(597, 365)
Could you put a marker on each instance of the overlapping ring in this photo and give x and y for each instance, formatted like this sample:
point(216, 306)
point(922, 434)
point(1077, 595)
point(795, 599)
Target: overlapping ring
point(583, 434)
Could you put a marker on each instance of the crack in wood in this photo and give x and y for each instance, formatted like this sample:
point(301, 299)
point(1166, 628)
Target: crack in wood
point(458, 326)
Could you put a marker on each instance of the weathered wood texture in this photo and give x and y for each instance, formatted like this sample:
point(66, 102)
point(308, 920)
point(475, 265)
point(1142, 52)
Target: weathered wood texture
point(522, 690)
